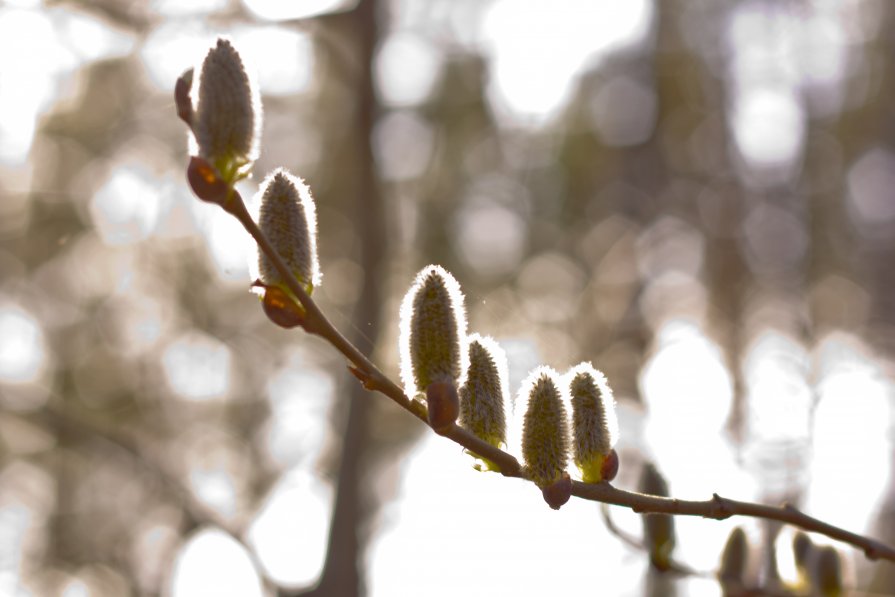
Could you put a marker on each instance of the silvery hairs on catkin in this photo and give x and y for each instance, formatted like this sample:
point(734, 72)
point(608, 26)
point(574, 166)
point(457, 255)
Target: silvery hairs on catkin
point(227, 119)
point(433, 327)
point(288, 218)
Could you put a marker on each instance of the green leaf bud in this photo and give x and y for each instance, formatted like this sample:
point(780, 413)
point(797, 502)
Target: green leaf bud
point(433, 325)
point(288, 219)
point(545, 427)
point(658, 529)
point(484, 397)
point(227, 118)
point(594, 423)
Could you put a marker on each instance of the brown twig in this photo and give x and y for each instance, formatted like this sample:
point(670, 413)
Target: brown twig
point(370, 375)
point(718, 508)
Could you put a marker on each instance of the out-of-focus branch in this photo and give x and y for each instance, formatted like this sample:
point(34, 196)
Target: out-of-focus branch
point(720, 508)
point(196, 514)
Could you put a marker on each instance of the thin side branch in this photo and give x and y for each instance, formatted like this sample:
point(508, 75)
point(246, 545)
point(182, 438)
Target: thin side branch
point(717, 507)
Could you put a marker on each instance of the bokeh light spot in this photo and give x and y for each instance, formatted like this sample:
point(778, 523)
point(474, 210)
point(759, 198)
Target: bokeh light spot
point(125, 209)
point(212, 562)
point(403, 144)
point(22, 346)
point(769, 128)
point(283, 58)
point(406, 67)
point(489, 237)
point(624, 112)
point(870, 201)
point(32, 58)
point(290, 531)
point(278, 10)
point(538, 50)
point(197, 367)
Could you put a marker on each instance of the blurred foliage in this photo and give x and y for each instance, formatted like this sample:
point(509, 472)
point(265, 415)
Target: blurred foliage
point(161, 400)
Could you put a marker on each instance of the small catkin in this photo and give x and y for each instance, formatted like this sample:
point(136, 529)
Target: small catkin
point(594, 422)
point(803, 551)
point(227, 118)
point(288, 219)
point(433, 325)
point(734, 558)
point(658, 529)
point(483, 398)
point(827, 577)
point(545, 428)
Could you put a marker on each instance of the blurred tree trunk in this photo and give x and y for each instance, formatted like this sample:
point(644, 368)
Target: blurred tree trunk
point(343, 572)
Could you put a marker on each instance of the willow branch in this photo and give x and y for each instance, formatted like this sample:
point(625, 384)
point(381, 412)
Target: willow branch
point(718, 508)
point(362, 368)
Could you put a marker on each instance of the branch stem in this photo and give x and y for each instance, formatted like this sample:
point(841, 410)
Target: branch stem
point(717, 507)
point(720, 508)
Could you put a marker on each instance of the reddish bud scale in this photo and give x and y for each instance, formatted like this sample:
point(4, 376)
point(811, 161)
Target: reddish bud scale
point(281, 309)
point(205, 182)
point(182, 97)
point(559, 492)
point(609, 467)
point(443, 405)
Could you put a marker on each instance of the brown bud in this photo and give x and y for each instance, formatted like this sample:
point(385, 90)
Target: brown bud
point(609, 468)
point(444, 405)
point(558, 493)
point(205, 181)
point(281, 309)
point(182, 97)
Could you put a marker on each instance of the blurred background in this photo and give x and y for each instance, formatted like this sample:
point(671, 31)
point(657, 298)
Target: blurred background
point(694, 195)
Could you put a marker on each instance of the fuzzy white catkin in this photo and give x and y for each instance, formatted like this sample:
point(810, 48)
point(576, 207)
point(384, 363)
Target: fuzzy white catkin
point(594, 422)
point(287, 217)
point(545, 427)
point(433, 328)
point(483, 398)
point(228, 113)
